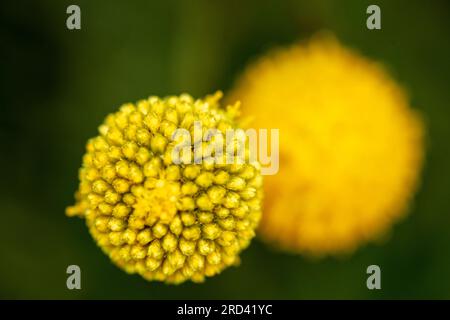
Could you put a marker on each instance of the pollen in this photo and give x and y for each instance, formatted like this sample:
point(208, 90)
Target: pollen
point(351, 147)
point(166, 221)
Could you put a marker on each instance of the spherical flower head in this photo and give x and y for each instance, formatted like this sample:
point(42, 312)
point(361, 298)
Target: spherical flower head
point(167, 220)
point(351, 147)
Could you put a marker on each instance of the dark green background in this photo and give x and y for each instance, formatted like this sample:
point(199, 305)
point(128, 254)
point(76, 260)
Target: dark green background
point(57, 85)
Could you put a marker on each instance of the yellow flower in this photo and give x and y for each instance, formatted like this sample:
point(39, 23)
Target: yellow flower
point(165, 221)
point(350, 146)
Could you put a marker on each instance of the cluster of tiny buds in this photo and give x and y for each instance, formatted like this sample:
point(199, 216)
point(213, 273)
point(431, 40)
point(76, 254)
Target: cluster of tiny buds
point(167, 222)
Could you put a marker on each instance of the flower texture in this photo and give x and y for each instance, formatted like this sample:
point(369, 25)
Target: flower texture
point(351, 148)
point(165, 221)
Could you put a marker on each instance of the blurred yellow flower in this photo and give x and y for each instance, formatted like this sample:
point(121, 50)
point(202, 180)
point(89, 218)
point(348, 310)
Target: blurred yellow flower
point(351, 148)
point(167, 222)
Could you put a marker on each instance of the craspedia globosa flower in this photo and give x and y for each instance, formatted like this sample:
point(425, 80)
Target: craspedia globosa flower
point(351, 147)
point(166, 221)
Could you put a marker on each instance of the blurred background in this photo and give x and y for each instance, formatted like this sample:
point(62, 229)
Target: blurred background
point(57, 85)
